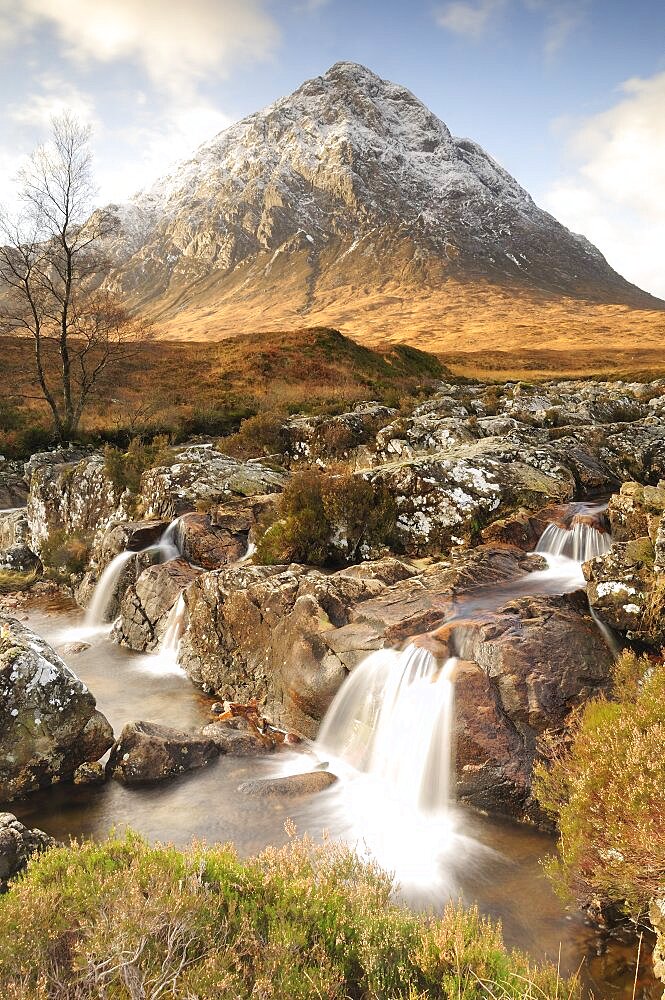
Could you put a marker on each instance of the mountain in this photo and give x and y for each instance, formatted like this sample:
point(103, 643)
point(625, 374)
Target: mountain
point(349, 203)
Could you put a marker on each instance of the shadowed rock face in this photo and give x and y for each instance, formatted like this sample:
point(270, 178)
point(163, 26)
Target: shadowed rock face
point(148, 752)
point(17, 846)
point(48, 720)
point(145, 607)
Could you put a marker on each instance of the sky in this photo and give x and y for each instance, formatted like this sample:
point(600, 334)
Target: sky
point(569, 95)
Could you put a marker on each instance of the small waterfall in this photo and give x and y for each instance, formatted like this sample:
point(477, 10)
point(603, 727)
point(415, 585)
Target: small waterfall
point(580, 542)
point(97, 611)
point(175, 625)
point(104, 592)
point(167, 548)
point(393, 720)
point(249, 553)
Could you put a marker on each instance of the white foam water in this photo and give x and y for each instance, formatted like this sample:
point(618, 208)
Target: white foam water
point(580, 542)
point(165, 660)
point(392, 719)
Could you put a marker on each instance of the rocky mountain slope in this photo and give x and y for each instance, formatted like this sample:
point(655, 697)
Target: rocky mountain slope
point(350, 203)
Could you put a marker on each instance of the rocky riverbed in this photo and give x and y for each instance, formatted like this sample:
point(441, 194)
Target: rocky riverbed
point(474, 476)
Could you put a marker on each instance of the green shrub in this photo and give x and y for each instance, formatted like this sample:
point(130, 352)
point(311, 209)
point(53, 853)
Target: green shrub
point(122, 919)
point(125, 468)
point(327, 518)
point(64, 555)
point(606, 790)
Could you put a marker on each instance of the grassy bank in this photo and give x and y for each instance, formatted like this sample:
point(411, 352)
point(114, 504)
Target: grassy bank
point(123, 919)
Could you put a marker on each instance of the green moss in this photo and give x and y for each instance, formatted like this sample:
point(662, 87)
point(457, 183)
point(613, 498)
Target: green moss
point(13, 580)
point(123, 919)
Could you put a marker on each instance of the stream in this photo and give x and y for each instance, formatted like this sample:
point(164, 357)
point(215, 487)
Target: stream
point(448, 853)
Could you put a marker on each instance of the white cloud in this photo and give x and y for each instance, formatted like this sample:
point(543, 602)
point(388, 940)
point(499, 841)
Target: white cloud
point(467, 19)
point(54, 96)
point(613, 192)
point(472, 18)
point(177, 43)
point(149, 153)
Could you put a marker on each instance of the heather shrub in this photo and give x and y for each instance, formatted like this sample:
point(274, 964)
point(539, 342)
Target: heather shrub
point(123, 919)
point(605, 787)
point(327, 518)
point(64, 555)
point(125, 468)
point(261, 434)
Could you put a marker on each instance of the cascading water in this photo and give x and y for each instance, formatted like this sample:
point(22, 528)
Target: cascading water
point(579, 542)
point(165, 660)
point(393, 720)
point(97, 611)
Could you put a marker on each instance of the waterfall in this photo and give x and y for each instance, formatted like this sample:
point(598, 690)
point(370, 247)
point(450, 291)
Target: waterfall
point(393, 720)
point(175, 626)
point(105, 588)
point(580, 542)
point(104, 592)
point(167, 547)
point(249, 553)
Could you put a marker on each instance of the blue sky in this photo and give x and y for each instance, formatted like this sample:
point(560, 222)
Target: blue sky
point(569, 95)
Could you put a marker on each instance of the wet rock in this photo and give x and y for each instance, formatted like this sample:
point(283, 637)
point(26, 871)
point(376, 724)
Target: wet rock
point(526, 666)
point(90, 773)
point(619, 587)
point(243, 743)
point(292, 786)
point(74, 648)
point(288, 635)
point(147, 752)
point(201, 475)
point(128, 536)
point(18, 844)
point(222, 535)
point(145, 607)
point(48, 720)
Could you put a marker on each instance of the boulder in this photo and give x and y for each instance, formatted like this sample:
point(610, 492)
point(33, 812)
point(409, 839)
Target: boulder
point(147, 752)
point(222, 535)
point(525, 667)
point(70, 495)
point(239, 743)
point(292, 786)
point(49, 723)
point(145, 606)
point(17, 845)
point(20, 559)
point(14, 528)
point(90, 773)
point(326, 440)
point(201, 475)
point(13, 486)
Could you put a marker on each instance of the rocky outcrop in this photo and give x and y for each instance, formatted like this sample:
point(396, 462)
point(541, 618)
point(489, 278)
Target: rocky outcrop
point(626, 586)
point(147, 752)
point(70, 496)
point(145, 606)
point(201, 475)
point(222, 535)
point(289, 636)
point(48, 720)
point(17, 845)
point(324, 439)
point(13, 487)
point(525, 667)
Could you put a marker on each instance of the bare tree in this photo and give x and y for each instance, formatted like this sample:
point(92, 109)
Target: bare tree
point(51, 272)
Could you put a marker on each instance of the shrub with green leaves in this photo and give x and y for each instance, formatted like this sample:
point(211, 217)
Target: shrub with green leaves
point(125, 468)
point(328, 518)
point(123, 919)
point(64, 555)
point(605, 788)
